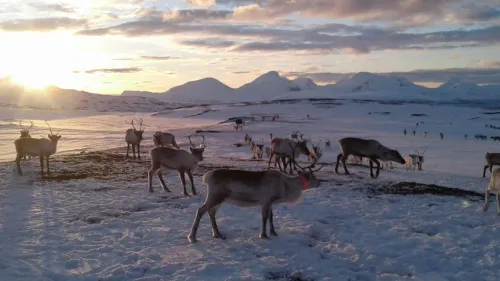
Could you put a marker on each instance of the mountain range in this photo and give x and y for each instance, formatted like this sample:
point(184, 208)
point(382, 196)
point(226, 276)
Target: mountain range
point(269, 86)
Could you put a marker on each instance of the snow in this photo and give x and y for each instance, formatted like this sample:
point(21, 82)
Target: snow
point(95, 220)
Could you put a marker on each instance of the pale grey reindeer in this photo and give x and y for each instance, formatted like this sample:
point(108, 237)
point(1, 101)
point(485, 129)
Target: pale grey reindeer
point(492, 159)
point(257, 150)
point(493, 187)
point(415, 161)
point(367, 148)
point(164, 139)
point(247, 138)
point(251, 188)
point(42, 148)
point(315, 153)
point(180, 160)
point(284, 149)
point(25, 133)
point(133, 137)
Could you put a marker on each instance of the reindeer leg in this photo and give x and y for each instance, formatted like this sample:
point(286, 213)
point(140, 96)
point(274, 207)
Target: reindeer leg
point(337, 164)
point(486, 195)
point(128, 148)
point(373, 160)
point(18, 164)
point(484, 171)
point(269, 163)
point(139, 151)
point(41, 163)
point(183, 180)
point(159, 174)
point(190, 176)
point(212, 200)
point(150, 178)
point(498, 204)
point(272, 231)
point(133, 151)
point(47, 161)
point(215, 230)
point(265, 216)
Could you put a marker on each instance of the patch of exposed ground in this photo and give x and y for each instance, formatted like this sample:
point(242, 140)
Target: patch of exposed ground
point(414, 188)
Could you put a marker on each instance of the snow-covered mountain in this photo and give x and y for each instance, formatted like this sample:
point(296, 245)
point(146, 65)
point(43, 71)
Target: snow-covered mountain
point(369, 82)
point(57, 98)
point(305, 83)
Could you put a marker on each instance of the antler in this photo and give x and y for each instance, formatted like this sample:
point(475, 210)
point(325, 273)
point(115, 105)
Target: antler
point(31, 126)
point(202, 142)
point(50, 128)
point(132, 123)
point(302, 168)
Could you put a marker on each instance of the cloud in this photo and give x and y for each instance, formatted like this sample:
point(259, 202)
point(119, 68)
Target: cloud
point(159, 58)
point(474, 75)
point(476, 12)
point(41, 24)
point(202, 3)
point(111, 70)
point(53, 7)
point(208, 43)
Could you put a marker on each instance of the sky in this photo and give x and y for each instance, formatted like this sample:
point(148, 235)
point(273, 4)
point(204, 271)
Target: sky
point(108, 46)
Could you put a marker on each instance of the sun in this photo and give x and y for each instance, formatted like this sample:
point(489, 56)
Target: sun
point(31, 79)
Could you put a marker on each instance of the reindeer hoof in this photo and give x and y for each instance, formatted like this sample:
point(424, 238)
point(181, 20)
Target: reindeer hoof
point(194, 193)
point(186, 194)
point(150, 190)
point(191, 239)
point(273, 233)
point(263, 236)
point(218, 236)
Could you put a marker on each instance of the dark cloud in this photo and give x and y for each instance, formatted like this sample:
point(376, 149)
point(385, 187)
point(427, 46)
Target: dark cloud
point(474, 75)
point(158, 58)
point(477, 12)
point(41, 24)
point(111, 70)
point(208, 43)
point(324, 38)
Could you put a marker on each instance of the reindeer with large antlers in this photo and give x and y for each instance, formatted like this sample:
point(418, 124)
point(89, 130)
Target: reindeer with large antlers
point(252, 188)
point(415, 160)
point(163, 157)
point(25, 133)
point(134, 137)
point(280, 148)
point(42, 148)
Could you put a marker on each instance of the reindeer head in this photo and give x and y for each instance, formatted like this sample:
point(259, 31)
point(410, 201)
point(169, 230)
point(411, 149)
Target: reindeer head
point(25, 133)
point(139, 132)
point(317, 151)
point(197, 151)
point(258, 149)
point(394, 156)
point(308, 173)
point(53, 137)
point(302, 147)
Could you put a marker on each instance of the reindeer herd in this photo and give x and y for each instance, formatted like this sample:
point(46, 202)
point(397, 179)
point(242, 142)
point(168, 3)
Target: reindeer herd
point(245, 188)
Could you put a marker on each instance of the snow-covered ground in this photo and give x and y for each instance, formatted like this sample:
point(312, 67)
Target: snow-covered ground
point(94, 219)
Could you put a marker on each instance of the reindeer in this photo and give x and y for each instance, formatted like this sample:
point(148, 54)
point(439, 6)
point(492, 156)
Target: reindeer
point(414, 132)
point(415, 160)
point(370, 149)
point(404, 132)
point(441, 135)
point(328, 144)
point(247, 139)
point(164, 139)
point(425, 134)
point(491, 160)
point(42, 148)
point(257, 150)
point(355, 159)
point(315, 153)
point(296, 135)
point(251, 188)
point(25, 133)
point(182, 161)
point(239, 124)
point(465, 136)
point(493, 187)
point(283, 148)
point(134, 137)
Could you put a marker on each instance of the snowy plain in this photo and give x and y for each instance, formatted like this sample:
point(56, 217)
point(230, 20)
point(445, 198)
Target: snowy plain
point(102, 224)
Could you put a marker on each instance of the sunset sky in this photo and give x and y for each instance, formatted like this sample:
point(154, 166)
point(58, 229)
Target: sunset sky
point(107, 46)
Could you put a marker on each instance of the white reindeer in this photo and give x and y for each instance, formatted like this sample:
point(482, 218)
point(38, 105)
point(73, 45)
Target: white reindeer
point(164, 139)
point(248, 189)
point(366, 148)
point(315, 153)
point(355, 159)
point(257, 150)
point(491, 160)
point(134, 137)
point(286, 149)
point(180, 160)
point(493, 187)
point(415, 161)
point(42, 148)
